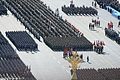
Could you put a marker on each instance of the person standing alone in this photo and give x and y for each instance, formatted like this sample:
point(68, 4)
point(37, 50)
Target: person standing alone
point(87, 58)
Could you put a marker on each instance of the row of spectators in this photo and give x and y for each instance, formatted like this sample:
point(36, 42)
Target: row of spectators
point(11, 66)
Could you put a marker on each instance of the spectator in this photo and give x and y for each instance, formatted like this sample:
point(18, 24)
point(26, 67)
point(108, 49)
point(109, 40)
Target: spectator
point(95, 4)
point(65, 52)
point(70, 52)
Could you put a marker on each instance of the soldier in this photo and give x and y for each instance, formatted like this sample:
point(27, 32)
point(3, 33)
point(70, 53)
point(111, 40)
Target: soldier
point(57, 12)
point(81, 56)
point(95, 4)
point(92, 3)
point(87, 58)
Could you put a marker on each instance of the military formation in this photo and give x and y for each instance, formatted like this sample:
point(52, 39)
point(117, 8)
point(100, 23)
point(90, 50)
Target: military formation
point(22, 40)
point(3, 10)
point(83, 10)
point(11, 66)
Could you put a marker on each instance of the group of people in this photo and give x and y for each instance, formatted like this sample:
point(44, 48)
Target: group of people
point(91, 26)
point(68, 53)
point(94, 3)
point(95, 22)
point(98, 46)
point(110, 25)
